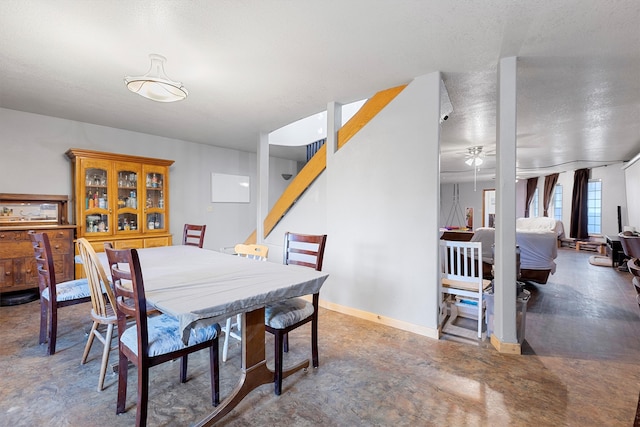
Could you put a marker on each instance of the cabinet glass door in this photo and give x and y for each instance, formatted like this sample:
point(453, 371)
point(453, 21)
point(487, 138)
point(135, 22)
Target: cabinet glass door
point(128, 206)
point(96, 203)
point(155, 214)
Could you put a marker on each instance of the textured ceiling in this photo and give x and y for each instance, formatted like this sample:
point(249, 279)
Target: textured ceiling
point(254, 66)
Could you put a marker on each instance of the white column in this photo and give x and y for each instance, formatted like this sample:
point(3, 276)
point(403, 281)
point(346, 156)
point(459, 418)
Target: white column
point(504, 327)
point(262, 204)
point(334, 123)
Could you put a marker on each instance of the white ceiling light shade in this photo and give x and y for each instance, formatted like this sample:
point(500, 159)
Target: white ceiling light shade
point(474, 158)
point(155, 85)
point(474, 161)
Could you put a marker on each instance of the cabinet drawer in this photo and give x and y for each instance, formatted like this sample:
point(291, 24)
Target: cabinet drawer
point(59, 234)
point(60, 247)
point(18, 243)
point(21, 273)
point(25, 271)
point(129, 244)
point(6, 275)
point(15, 249)
point(31, 272)
point(23, 235)
point(12, 236)
point(99, 246)
point(157, 242)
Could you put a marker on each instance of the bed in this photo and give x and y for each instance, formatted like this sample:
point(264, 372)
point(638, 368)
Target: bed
point(537, 239)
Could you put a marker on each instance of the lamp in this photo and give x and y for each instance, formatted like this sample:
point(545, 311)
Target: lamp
point(155, 85)
point(286, 176)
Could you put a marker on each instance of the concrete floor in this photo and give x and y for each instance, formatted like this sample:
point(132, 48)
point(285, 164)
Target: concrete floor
point(579, 368)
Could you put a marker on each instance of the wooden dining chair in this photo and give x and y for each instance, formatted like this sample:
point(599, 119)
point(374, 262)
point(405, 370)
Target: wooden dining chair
point(193, 235)
point(234, 330)
point(285, 316)
point(53, 295)
point(150, 341)
point(103, 311)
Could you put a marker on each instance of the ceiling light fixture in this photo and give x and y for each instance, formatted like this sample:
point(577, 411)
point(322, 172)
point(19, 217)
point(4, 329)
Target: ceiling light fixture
point(475, 160)
point(155, 85)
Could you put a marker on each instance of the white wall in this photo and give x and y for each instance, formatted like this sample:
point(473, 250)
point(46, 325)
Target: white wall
point(277, 184)
point(613, 195)
point(32, 160)
point(468, 198)
point(378, 203)
point(566, 180)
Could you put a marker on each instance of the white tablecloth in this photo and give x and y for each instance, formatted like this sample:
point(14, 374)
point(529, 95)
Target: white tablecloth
point(193, 284)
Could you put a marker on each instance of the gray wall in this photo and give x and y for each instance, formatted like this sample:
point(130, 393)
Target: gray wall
point(451, 215)
point(32, 160)
point(378, 202)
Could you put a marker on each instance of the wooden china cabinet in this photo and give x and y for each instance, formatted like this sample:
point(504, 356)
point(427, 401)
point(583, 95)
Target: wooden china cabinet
point(120, 199)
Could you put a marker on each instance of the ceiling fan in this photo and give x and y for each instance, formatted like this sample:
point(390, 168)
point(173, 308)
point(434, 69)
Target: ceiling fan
point(474, 157)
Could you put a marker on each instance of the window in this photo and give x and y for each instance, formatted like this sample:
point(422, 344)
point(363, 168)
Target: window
point(557, 203)
point(533, 206)
point(594, 207)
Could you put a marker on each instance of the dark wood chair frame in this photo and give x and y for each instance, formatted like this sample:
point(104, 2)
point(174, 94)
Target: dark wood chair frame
point(193, 235)
point(131, 304)
point(633, 265)
point(281, 336)
point(47, 279)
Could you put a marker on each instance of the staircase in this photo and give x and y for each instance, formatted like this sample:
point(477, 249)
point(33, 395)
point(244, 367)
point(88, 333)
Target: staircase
point(317, 164)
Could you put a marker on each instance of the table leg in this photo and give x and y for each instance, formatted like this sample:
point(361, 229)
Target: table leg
point(254, 366)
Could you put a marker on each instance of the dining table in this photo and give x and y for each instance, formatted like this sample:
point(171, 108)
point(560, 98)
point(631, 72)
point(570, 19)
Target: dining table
point(198, 286)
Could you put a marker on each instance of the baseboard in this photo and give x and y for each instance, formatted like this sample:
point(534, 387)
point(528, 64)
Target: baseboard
point(387, 321)
point(505, 347)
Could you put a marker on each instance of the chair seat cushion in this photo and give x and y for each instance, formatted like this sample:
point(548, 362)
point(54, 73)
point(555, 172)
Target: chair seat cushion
point(165, 337)
point(286, 313)
point(67, 291)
